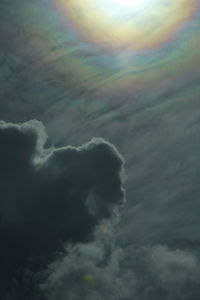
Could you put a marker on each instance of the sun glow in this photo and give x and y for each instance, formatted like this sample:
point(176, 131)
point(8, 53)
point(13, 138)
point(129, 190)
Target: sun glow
point(131, 4)
point(127, 24)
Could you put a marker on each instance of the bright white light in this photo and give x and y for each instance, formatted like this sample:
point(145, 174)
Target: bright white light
point(121, 8)
point(134, 4)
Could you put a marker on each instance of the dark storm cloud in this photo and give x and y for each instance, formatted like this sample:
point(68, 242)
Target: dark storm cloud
point(50, 197)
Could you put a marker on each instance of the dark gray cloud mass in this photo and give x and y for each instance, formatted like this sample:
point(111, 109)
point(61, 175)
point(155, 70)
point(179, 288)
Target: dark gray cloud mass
point(58, 214)
point(51, 198)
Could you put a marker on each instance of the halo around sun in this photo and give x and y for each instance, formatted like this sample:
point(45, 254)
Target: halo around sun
point(128, 24)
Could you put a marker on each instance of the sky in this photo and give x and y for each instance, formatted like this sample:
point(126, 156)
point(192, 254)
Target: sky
point(99, 135)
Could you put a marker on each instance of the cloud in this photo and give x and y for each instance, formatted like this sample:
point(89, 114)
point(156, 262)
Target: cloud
point(50, 198)
point(161, 272)
point(174, 267)
point(174, 272)
point(58, 211)
point(90, 271)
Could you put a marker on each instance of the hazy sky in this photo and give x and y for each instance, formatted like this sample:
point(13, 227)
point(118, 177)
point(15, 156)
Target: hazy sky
point(129, 73)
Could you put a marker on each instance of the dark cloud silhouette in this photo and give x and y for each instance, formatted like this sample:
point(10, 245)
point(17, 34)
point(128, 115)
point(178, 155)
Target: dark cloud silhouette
point(51, 198)
point(58, 213)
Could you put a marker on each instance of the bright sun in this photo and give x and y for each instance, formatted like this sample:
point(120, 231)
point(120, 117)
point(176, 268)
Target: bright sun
point(127, 24)
point(129, 6)
point(132, 4)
